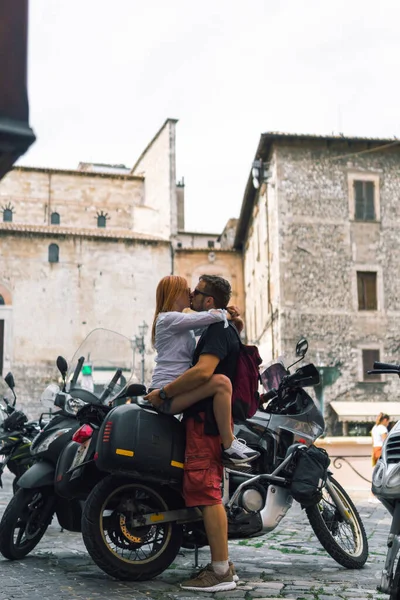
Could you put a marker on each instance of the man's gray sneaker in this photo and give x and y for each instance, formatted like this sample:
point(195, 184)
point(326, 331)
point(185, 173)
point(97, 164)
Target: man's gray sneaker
point(239, 453)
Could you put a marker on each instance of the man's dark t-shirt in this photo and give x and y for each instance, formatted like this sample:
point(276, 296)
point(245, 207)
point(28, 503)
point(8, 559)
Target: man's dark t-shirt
point(223, 343)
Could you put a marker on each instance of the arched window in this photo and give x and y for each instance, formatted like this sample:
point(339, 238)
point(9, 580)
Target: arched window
point(54, 253)
point(55, 218)
point(2, 301)
point(101, 221)
point(7, 215)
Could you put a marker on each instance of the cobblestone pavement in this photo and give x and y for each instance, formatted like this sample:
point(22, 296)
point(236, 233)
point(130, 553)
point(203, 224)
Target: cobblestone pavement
point(288, 563)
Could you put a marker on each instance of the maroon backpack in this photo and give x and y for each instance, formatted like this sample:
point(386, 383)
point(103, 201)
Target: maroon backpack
point(245, 396)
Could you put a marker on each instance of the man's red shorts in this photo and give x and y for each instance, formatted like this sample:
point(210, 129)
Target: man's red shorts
point(202, 477)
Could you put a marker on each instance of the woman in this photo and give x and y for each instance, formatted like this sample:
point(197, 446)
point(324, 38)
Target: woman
point(379, 434)
point(174, 340)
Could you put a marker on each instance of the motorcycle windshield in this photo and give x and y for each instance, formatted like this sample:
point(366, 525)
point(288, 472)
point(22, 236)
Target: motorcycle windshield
point(102, 365)
point(273, 375)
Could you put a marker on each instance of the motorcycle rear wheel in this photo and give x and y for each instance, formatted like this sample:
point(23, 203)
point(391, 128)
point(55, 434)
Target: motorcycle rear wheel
point(24, 522)
point(345, 542)
point(124, 552)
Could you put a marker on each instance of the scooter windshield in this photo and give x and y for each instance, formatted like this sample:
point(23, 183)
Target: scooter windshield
point(102, 365)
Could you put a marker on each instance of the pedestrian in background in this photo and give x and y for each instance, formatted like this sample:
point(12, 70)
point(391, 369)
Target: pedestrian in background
point(379, 434)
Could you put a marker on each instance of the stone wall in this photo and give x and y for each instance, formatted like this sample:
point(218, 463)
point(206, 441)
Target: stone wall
point(191, 263)
point(78, 198)
point(301, 257)
point(322, 247)
point(107, 283)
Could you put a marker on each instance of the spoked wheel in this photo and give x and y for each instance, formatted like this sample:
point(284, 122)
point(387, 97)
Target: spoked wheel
point(345, 541)
point(119, 548)
point(24, 522)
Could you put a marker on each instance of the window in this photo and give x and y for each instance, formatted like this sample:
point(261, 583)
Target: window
point(211, 243)
point(368, 359)
point(7, 215)
point(2, 301)
point(101, 220)
point(364, 195)
point(54, 253)
point(55, 218)
point(366, 287)
point(179, 245)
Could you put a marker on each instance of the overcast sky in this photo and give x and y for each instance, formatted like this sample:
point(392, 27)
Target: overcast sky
point(104, 75)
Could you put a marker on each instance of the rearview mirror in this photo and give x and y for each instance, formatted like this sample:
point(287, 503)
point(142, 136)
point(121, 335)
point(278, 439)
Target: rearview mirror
point(135, 389)
point(62, 366)
point(301, 347)
point(9, 379)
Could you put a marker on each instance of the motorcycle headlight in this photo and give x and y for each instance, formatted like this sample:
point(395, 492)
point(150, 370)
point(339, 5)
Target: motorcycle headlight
point(377, 475)
point(393, 480)
point(72, 405)
point(44, 445)
point(49, 395)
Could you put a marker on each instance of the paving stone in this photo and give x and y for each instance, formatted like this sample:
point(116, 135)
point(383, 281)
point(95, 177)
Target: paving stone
point(290, 563)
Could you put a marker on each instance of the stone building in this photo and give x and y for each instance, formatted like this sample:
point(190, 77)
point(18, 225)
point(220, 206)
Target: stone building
point(319, 233)
point(85, 248)
point(198, 253)
point(79, 250)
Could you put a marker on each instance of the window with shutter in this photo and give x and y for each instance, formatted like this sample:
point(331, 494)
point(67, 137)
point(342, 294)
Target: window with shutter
point(367, 290)
point(364, 194)
point(368, 359)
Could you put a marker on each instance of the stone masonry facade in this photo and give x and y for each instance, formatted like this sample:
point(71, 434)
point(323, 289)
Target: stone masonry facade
point(304, 251)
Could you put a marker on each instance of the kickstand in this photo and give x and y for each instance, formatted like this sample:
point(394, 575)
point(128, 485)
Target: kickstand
point(196, 557)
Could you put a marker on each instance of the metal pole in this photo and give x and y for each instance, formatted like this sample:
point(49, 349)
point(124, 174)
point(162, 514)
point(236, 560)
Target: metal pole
point(143, 362)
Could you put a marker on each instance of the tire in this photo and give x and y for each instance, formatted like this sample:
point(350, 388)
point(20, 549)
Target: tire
point(395, 583)
point(29, 513)
point(122, 552)
point(345, 542)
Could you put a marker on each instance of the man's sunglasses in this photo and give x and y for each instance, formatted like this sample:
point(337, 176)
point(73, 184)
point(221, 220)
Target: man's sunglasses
point(196, 292)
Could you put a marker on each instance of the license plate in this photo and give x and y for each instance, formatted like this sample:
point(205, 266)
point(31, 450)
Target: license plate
point(80, 454)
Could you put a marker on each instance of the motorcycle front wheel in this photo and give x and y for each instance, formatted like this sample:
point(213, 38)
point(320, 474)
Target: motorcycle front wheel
point(24, 522)
point(118, 548)
point(345, 541)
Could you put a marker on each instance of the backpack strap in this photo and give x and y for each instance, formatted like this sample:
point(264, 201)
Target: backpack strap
point(236, 331)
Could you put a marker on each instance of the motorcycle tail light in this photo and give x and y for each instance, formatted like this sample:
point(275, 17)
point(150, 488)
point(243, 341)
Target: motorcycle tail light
point(83, 434)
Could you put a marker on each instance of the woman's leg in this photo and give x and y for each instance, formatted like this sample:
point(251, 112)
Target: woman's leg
point(220, 388)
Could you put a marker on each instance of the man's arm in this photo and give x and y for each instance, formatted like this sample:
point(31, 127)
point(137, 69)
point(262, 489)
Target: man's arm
point(192, 378)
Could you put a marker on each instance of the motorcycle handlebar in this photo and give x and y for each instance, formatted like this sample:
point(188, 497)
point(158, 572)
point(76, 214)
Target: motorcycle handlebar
point(381, 365)
point(269, 395)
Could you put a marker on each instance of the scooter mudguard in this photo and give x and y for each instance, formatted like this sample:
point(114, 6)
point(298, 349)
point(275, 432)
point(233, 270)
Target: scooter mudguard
point(40, 474)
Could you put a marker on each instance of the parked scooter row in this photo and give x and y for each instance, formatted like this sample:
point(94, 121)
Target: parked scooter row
point(123, 465)
point(37, 500)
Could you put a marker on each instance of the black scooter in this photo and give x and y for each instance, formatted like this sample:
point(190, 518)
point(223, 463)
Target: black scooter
point(31, 510)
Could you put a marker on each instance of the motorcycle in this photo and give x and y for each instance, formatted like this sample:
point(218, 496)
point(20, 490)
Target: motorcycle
point(134, 520)
point(16, 434)
point(386, 487)
point(99, 372)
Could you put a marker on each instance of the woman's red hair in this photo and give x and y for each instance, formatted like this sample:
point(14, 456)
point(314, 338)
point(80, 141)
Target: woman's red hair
point(168, 290)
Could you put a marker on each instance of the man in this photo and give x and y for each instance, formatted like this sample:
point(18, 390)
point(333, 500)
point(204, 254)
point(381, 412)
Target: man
point(216, 352)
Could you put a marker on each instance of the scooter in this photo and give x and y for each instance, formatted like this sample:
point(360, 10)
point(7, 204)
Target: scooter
point(386, 487)
point(16, 434)
point(98, 374)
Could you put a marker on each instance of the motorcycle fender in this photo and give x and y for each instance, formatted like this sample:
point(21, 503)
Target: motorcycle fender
point(41, 474)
